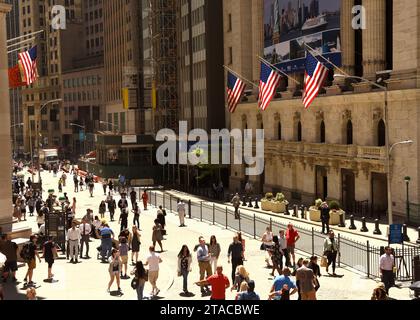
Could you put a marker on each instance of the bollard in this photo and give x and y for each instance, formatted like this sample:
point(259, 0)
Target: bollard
point(287, 213)
point(244, 202)
point(352, 225)
point(303, 212)
point(250, 205)
point(342, 221)
point(364, 228)
point(189, 209)
point(256, 204)
point(295, 211)
point(418, 240)
point(377, 230)
point(405, 235)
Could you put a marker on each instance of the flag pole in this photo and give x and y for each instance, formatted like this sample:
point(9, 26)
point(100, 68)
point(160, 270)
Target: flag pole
point(20, 43)
point(273, 66)
point(325, 59)
point(238, 75)
point(25, 36)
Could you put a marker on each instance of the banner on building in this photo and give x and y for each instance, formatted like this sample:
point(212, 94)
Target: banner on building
point(289, 24)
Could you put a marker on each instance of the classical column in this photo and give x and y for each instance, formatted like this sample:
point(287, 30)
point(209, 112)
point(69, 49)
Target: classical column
point(5, 145)
point(347, 39)
point(374, 38)
point(257, 36)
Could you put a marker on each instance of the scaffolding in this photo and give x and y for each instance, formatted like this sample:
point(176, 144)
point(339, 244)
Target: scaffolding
point(164, 56)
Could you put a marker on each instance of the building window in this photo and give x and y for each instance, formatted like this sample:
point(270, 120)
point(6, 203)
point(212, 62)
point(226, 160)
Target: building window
point(279, 131)
point(381, 133)
point(299, 131)
point(229, 23)
point(349, 133)
point(322, 132)
point(122, 122)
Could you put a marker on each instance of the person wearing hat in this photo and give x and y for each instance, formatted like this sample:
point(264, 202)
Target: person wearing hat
point(249, 294)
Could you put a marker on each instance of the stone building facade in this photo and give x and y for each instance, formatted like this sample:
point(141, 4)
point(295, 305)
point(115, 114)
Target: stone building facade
point(337, 148)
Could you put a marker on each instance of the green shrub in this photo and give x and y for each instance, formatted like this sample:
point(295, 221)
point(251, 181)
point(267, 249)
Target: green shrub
point(280, 197)
point(268, 196)
point(334, 205)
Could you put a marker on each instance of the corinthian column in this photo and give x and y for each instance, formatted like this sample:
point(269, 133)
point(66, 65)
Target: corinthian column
point(5, 146)
point(257, 36)
point(374, 38)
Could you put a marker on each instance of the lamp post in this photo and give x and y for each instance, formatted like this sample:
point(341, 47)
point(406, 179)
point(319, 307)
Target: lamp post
point(388, 150)
point(38, 124)
point(84, 132)
point(407, 182)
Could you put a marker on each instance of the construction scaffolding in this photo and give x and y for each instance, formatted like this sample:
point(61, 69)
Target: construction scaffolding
point(164, 53)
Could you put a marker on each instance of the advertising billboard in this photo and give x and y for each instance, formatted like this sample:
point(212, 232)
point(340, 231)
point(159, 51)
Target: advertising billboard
point(290, 24)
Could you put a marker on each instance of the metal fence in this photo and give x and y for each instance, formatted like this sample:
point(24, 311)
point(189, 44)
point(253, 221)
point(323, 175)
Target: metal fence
point(362, 257)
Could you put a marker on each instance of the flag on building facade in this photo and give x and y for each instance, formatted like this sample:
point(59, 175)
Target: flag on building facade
point(15, 78)
point(27, 63)
point(235, 90)
point(315, 75)
point(269, 82)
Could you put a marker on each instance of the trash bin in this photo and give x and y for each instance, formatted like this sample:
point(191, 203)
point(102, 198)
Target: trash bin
point(416, 274)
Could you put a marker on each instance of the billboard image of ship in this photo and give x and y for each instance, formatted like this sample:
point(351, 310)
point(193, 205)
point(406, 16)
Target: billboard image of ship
point(289, 24)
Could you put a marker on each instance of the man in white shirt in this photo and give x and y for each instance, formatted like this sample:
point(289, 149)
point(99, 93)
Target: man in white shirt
point(153, 261)
point(73, 238)
point(283, 248)
point(181, 213)
point(387, 264)
point(85, 230)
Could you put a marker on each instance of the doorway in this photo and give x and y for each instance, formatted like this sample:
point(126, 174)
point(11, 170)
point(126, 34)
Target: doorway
point(379, 195)
point(321, 180)
point(348, 190)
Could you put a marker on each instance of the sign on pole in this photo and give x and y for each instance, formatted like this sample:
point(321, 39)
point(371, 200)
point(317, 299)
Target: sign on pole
point(396, 234)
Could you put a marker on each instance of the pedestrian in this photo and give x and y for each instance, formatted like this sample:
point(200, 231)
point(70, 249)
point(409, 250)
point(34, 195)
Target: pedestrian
point(299, 264)
point(123, 219)
point(145, 199)
point(123, 203)
point(325, 217)
point(157, 234)
point(214, 250)
point(89, 216)
point(267, 245)
point(242, 241)
point(241, 275)
point(49, 252)
point(141, 276)
point(331, 251)
point(280, 281)
point(104, 185)
point(60, 185)
point(235, 251)
point(114, 269)
point(161, 218)
point(307, 283)
point(64, 178)
point(133, 197)
point(387, 268)
point(153, 261)
point(40, 218)
point(91, 187)
point(106, 235)
point(184, 266)
point(23, 208)
point(111, 207)
point(379, 293)
point(242, 288)
point(292, 236)
point(76, 183)
point(85, 231)
point(134, 243)
point(283, 248)
point(110, 186)
point(102, 209)
point(123, 248)
point(276, 257)
point(219, 283)
point(203, 257)
point(38, 204)
point(29, 253)
point(181, 212)
point(73, 205)
point(313, 264)
point(17, 213)
point(31, 294)
point(73, 238)
point(29, 183)
point(9, 249)
point(81, 183)
point(248, 189)
point(136, 217)
point(236, 201)
point(31, 206)
point(96, 224)
point(249, 294)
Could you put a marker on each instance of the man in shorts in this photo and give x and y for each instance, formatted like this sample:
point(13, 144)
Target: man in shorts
point(9, 249)
point(153, 261)
point(33, 253)
point(292, 236)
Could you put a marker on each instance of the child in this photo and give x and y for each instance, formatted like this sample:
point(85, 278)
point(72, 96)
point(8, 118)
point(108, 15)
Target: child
point(124, 255)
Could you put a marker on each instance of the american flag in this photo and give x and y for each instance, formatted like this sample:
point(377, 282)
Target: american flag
point(235, 89)
point(27, 63)
point(269, 82)
point(315, 76)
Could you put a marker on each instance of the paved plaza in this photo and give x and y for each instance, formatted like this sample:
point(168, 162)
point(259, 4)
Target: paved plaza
point(88, 280)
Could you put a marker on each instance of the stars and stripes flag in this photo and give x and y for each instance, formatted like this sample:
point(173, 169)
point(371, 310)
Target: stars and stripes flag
point(235, 90)
point(269, 82)
point(27, 64)
point(315, 76)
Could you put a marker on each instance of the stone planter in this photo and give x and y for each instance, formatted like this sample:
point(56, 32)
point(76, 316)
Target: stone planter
point(335, 217)
point(266, 205)
point(278, 207)
point(315, 215)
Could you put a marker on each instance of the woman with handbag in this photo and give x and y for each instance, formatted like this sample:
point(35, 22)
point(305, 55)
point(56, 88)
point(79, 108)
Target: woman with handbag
point(139, 280)
point(114, 269)
point(331, 251)
point(184, 266)
point(267, 245)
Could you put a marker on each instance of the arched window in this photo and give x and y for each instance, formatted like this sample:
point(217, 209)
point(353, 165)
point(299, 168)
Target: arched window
point(299, 132)
point(279, 131)
point(349, 133)
point(381, 133)
point(322, 132)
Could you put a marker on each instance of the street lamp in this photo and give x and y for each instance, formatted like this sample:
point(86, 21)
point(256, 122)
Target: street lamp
point(388, 150)
point(407, 182)
point(109, 123)
point(84, 138)
point(38, 124)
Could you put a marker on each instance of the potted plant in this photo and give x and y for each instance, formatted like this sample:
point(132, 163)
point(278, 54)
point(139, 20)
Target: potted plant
point(279, 203)
point(335, 213)
point(314, 212)
point(266, 203)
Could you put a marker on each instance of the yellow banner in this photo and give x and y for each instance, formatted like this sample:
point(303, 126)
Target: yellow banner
point(125, 98)
point(154, 98)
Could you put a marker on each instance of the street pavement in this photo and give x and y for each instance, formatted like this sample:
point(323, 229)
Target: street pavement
point(89, 279)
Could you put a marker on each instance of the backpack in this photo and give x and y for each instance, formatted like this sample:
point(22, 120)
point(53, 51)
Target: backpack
point(25, 253)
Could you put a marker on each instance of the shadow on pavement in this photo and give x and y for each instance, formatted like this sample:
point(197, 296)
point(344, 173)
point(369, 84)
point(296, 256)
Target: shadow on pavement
point(12, 292)
point(187, 295)
point(116, 293)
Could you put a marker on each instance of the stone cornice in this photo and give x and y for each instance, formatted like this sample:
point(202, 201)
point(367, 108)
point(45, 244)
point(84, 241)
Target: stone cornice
point(5, 7)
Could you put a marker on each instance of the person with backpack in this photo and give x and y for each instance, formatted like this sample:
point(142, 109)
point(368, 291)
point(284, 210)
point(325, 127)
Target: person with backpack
point(28, 254)
point(140, 278)
point(49, 252)
point(9, 249)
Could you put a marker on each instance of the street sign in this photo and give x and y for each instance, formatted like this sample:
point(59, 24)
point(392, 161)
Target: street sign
point(396, 234)
point(82, 136)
